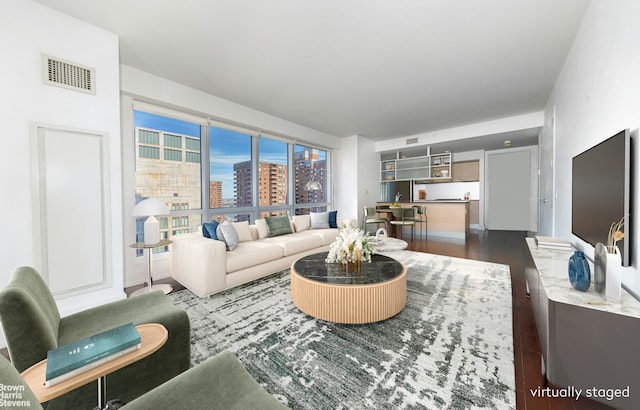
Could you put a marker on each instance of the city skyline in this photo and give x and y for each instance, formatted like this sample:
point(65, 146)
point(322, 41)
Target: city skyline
point(227, 147)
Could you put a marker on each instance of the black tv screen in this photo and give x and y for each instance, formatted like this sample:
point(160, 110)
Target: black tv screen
point(601, 192)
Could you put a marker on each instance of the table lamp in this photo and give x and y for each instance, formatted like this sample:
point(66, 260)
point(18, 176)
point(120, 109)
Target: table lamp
point(151, 207)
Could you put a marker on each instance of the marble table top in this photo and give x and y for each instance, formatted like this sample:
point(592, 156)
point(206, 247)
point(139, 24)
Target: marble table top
point(552, 266)
point(382, 268)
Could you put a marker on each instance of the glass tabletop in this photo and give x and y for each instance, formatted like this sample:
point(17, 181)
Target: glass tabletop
point(382, 268)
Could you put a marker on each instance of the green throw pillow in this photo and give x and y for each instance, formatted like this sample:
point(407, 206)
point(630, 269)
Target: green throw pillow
point(278, 225)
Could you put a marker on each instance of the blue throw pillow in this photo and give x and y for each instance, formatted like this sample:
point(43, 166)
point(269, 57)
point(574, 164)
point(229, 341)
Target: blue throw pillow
point(333, 219)
point(209, 230)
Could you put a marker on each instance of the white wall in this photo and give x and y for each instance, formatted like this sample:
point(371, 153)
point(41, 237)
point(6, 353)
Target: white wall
point(27, 30)
point(368, 175)
point(596, 95)
point(345, 188)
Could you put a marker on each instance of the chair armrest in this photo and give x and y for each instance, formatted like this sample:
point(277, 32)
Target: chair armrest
point(220, 382)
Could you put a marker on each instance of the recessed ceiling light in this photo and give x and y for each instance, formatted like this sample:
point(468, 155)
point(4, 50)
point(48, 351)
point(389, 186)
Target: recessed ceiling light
point(507, 143)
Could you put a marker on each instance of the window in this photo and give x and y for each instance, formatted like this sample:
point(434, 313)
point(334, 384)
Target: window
point(273, 173)
point(173, 177)
point(230, 175)
point(249, 175)
point(310, 168)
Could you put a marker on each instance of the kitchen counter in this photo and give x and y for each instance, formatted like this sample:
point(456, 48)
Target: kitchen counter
point(448, 218)
point(441, 200)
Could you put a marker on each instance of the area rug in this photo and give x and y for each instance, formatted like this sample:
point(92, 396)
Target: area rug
point(450, 348)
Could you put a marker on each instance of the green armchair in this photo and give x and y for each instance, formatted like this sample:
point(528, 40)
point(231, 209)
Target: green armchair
point(32, 326)
point(220, 382)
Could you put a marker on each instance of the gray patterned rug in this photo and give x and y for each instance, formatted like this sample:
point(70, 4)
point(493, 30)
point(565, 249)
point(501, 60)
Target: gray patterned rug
point(451, 347)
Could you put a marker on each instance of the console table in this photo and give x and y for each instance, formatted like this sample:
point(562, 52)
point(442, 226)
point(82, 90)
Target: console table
point(586, 341)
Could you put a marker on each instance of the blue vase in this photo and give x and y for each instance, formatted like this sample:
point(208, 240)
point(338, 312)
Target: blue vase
point(579, 271)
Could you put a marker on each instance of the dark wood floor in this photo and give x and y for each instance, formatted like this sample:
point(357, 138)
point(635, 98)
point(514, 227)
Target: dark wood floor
point(509, 248)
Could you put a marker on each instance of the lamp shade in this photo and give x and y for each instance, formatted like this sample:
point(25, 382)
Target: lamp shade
point(149, 207)
point(312, 185)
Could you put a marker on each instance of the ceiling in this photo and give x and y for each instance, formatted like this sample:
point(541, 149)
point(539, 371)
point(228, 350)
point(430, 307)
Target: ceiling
point(377, 68)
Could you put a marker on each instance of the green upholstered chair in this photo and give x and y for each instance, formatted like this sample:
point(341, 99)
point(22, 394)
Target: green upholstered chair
point(32, 326)
point(404, 217)
point(220, 382)
point(371, 217)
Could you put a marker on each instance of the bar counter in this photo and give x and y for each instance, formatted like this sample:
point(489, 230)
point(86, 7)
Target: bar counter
point(448, 218)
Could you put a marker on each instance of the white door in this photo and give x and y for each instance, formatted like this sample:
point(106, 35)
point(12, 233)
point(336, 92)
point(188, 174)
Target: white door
point(510, 190)
point(546, 178)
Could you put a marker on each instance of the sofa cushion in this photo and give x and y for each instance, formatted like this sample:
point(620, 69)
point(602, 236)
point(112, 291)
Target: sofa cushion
point(209, 229)
point(319, 220)
point(228, 235)
point(301, 222)
point(248, 254)
point(326, 236)
point(243, 231)
point(278, 225)
point(263, 229)
point(295, 243)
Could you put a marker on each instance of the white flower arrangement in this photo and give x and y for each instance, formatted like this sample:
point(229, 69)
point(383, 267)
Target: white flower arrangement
point(353, 245)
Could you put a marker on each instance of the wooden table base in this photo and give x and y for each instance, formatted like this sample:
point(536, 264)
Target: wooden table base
point(350, 304)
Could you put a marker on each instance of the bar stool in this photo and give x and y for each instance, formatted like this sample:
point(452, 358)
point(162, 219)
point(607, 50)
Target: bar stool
point(405, 217)
point(371, 217)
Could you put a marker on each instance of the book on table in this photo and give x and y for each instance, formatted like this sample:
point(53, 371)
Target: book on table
point(551, 242)
point(85, 354)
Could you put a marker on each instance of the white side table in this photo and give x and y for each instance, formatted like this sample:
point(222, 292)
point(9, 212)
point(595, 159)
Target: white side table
point(150, 286)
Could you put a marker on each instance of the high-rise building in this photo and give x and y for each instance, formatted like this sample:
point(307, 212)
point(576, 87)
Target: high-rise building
point(308, 166)
point(215, 194)
point(160, 156)
point(272, 183)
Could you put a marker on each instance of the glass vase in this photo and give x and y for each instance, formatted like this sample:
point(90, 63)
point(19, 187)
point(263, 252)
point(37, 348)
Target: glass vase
point(579, 271)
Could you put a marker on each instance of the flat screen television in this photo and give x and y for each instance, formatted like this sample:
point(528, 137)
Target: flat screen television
point(601, 192)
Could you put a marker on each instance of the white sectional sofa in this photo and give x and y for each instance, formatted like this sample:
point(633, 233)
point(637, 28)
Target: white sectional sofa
point(205, 266)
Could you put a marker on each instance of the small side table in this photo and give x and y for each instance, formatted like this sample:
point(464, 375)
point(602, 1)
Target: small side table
point(150, 286)
point(152, 337)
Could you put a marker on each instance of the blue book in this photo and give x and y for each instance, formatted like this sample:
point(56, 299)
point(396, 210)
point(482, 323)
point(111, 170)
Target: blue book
point(69, 360)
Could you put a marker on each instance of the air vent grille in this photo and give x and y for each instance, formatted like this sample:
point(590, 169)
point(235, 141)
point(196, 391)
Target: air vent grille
point(412, 141)
point(68, 75)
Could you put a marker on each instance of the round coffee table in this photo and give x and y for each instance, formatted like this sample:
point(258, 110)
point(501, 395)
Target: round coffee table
point(328, 291)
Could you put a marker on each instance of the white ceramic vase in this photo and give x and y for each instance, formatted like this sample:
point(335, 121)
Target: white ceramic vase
point(608, 272)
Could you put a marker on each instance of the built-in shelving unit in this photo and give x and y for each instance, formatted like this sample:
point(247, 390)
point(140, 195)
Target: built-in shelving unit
point(388, 170)
point(426, 167)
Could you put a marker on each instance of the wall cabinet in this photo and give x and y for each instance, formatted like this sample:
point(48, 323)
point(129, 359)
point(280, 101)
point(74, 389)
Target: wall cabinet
point(466, 171)
point(427, 167)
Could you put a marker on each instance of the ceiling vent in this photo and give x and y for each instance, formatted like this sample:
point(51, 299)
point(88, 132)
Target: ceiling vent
point(68, 75)
point(412, 141)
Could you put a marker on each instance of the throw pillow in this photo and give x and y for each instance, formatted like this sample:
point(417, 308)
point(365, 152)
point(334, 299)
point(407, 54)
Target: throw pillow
point(243, 231)
point(209, 229)
point(263, 229)
point(333, 219)
point(228, 235)
point(301, 222)
point(278, 225)
point(319, 220)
